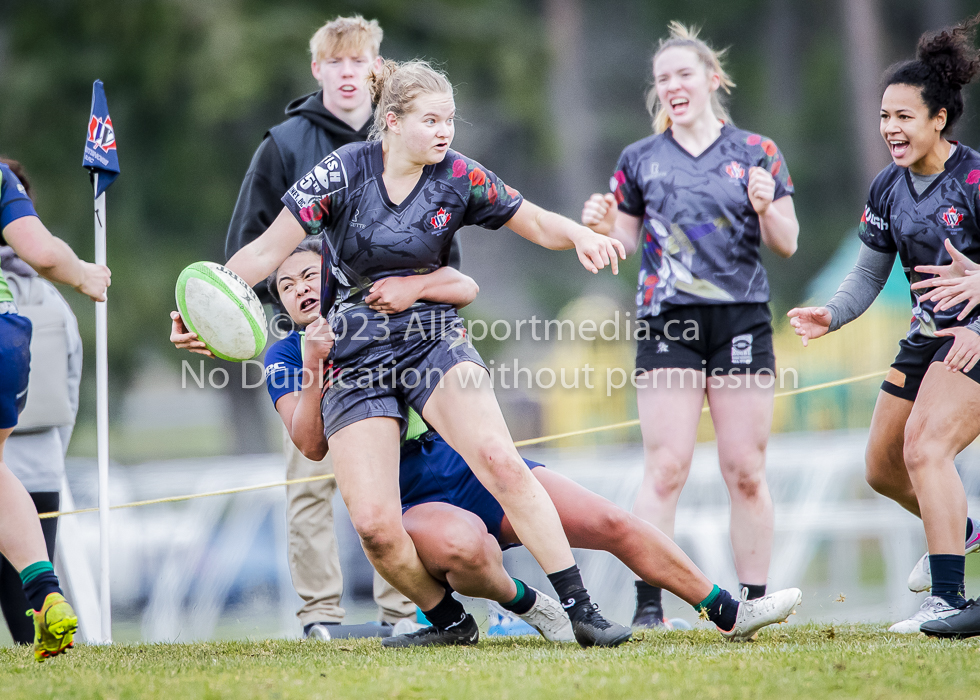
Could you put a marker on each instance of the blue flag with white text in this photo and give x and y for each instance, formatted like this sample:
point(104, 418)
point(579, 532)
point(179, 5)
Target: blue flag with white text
point(100, 142)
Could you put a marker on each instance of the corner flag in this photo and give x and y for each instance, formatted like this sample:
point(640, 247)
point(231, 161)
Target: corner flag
point(100, 144)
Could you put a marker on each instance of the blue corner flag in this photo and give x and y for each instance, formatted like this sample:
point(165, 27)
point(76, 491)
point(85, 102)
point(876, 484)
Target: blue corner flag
point(100, 143)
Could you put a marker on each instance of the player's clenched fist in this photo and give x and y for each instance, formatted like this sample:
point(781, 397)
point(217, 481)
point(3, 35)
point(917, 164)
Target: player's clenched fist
point(599, 213)
point(762, 188)
point(319, 340)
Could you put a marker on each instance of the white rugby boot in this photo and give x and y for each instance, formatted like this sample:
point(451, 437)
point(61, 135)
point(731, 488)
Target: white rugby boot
point(753, 615)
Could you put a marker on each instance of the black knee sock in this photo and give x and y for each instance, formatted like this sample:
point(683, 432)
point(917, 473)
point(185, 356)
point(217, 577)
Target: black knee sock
point(947, 577)
point(720, 607)
point(649, 598)
point(447, 613)
point(754, 591)
point(523, 601)
point(571, 592)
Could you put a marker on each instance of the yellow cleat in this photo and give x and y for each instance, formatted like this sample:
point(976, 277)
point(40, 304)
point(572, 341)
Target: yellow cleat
point(54, 627)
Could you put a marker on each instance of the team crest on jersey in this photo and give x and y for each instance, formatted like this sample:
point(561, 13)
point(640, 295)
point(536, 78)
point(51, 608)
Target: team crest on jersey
point(440, 219)
point(735, 171)
point(101, 134)
point(951, 217)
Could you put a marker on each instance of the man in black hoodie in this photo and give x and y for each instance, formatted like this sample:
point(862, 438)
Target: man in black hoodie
point(344, 52)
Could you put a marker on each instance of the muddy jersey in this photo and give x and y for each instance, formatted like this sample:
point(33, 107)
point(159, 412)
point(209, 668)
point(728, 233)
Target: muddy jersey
point(700, 235)
point(897, 220)
point(367, 237)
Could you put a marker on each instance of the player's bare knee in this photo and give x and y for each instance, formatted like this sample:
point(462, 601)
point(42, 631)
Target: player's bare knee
point(668, 474)
point(466, 548)
point(746, 482)
point(507, 473)
point(379, 533)
point(614, 524)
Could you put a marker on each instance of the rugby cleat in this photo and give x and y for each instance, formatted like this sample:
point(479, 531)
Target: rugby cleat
point(593, 630)
point(921, 577)
point(54, 627)
point(548, 618)
point(463, 633)
point(933, 608)
point(649, 617)
point(963, 624)
point(755, 614)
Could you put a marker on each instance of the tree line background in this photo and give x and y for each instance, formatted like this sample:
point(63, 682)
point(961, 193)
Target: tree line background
point(548, 92)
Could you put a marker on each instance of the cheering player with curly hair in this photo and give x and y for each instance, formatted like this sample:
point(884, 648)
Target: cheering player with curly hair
point(927, 410)
point(698, 197)
point(390, 207)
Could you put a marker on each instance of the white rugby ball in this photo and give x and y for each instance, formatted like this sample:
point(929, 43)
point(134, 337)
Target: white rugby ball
point(223, 310)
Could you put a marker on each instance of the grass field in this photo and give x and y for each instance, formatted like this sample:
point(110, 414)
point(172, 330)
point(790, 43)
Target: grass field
point(804, 661)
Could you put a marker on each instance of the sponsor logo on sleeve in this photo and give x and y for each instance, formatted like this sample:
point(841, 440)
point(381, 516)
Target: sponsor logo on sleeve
point(873, 219)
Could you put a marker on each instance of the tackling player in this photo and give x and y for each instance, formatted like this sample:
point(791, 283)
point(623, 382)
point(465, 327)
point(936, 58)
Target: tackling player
point(458, 528)
point(698, 197)
point(926, 411)
point(21, 538)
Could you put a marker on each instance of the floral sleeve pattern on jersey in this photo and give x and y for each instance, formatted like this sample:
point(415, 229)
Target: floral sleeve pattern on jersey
point(491, 203)
point(771, 158)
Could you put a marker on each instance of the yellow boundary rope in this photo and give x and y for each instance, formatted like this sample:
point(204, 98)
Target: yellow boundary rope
point(520, 443)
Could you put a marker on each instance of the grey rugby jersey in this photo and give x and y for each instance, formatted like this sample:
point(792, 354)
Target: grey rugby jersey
point(367, 237)
point(897, 219)
point(700, 234)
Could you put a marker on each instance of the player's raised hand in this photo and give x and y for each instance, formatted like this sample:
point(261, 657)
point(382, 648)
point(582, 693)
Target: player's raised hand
point(95, 280)
point(599, 213)
point(761, 189)
point(965, 351)
point(393, 295)
point(595, 251)
point(184, 339)
point(319, 341)
point(810, 322)
point(953, 284)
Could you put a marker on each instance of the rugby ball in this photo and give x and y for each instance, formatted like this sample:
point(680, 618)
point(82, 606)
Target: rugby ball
point(223, 310)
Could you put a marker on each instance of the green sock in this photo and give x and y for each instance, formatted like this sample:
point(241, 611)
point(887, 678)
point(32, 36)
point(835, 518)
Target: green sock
point(31, 572)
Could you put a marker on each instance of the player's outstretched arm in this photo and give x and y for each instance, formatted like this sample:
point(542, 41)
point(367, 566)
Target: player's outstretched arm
point(53, 259)
point(446, 285)
point(300, 411)
point(601, 214)
point(258, 259)
point(777, 219)
point(557, 232)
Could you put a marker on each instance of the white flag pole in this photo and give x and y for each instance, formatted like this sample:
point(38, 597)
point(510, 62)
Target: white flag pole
point(102, 416)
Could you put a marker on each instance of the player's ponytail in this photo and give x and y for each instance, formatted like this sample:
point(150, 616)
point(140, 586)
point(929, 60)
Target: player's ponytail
point(944, 63)
point(687, 37)
point(394, 86)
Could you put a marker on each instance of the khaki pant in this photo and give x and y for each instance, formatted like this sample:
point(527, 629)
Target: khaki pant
point(314, 562)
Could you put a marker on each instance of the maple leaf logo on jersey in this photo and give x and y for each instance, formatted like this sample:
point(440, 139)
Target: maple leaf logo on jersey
point(952, 218)
point(734, 170)
point(101, 134)
point(440, 219)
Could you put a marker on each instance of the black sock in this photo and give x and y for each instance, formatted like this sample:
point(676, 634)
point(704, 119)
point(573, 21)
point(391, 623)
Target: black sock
point(754, 591)
point(649, 598)
point(947, 577)
point(571, 591)
point(523, 601)
point(447, 613)
point(721, 608)
point(39, 587)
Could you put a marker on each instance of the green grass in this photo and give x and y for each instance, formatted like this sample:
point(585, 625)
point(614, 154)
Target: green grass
point(803, 661)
